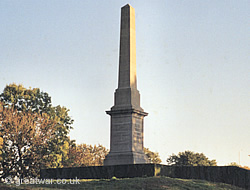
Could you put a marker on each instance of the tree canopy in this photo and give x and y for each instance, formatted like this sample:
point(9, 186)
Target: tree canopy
point(25, 138)
point(86, 155)
point(238, 165)
point(153, 157)
point(28, 118)
point(189, 158)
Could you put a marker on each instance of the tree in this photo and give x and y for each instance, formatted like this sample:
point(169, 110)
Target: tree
point(153, 157)
point(189, 158)
point(1, 145)
point(86, 155)
point(246, 167)
point(34, 101)
point(25, 137)
point(234, 164)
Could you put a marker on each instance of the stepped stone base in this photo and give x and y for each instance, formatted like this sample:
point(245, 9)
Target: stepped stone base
point(121, 158)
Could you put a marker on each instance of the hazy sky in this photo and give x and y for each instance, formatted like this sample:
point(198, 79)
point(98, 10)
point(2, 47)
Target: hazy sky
point(192, 67)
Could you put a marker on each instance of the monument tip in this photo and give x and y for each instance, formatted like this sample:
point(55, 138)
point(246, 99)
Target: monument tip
point(127, 5)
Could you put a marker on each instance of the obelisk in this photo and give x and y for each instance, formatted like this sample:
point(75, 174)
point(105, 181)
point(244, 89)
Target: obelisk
point(126, 134)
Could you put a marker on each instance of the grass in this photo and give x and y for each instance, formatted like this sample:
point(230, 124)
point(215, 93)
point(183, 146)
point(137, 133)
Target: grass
point(149, 183)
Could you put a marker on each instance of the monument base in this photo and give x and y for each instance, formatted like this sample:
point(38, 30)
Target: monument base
point(121, 158)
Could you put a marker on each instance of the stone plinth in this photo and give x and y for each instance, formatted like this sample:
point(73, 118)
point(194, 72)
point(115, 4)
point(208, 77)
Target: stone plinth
point(126, 137)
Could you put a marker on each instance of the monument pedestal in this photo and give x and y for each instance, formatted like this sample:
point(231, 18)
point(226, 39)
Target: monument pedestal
point(126, 142)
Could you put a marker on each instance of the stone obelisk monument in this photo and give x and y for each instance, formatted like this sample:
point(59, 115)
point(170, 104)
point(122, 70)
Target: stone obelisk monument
point(126, 138)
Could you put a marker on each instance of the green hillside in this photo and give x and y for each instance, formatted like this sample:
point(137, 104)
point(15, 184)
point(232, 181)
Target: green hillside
point(150, 183)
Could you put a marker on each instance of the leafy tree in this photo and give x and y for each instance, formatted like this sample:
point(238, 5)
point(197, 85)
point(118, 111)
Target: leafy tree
point(37, 102)
point(26, 99)
point(234, 164)
point(246, 167)
point(189, 158)
point(24, 137)
point(70, 155)
point(153, 157)
point(1, 145)
point(86, 155)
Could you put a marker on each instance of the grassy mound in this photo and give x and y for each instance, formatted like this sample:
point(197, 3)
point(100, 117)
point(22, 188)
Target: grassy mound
point(149, 183)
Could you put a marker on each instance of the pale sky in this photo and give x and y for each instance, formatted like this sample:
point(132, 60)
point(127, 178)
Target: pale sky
point(192, 68)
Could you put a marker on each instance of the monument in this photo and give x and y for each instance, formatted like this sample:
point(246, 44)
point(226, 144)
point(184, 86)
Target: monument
point(126, 157)
point(126, 138)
